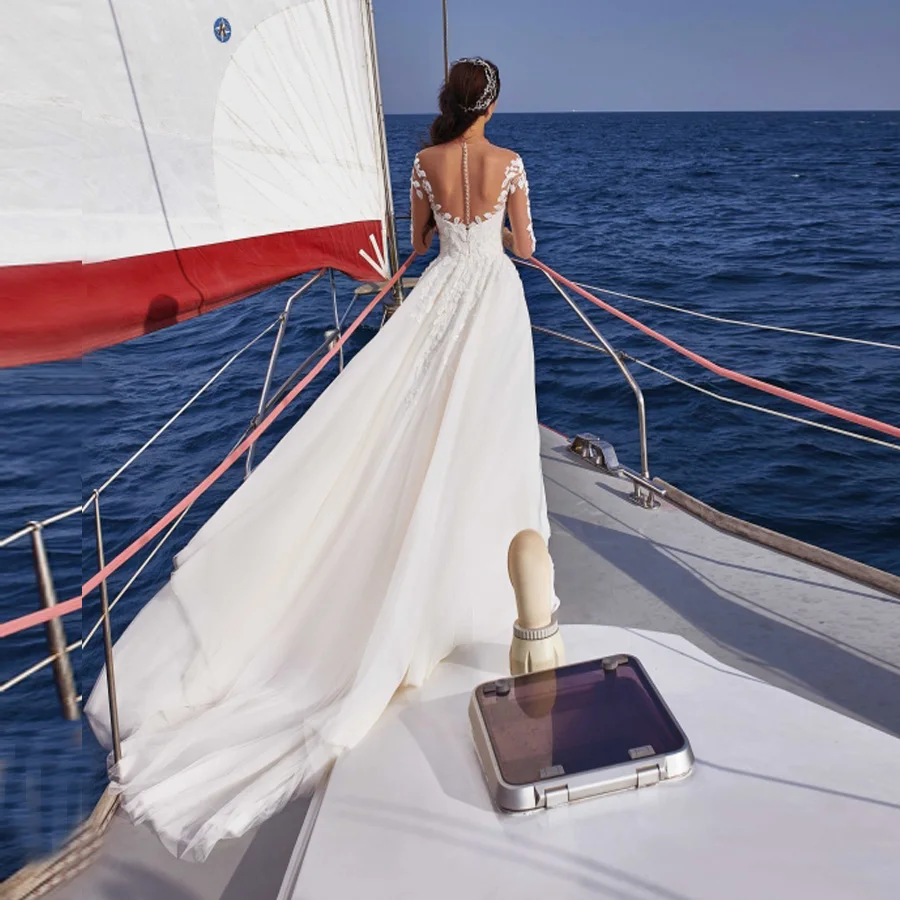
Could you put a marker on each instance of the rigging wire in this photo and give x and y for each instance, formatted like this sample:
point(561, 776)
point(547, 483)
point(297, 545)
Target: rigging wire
point(183, 509)
point(740, 322)
point(722, 397)
point(185, 407)
point(723, 371)
point(12, 682)
point(176, 523)
point(11, 538)
point(229, 460)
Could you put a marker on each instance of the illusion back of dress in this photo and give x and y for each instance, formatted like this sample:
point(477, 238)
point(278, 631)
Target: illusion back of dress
point(466, 221)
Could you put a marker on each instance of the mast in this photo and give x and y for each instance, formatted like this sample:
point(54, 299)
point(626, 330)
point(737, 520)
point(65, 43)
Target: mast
point(446, 42)
point(390, 222)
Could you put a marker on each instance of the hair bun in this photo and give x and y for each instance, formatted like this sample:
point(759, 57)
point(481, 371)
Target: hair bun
point(489, 94)
point(457, 112)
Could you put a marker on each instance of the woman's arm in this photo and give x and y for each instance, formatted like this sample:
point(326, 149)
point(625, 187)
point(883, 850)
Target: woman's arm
point(421, 224)
point(518, 207)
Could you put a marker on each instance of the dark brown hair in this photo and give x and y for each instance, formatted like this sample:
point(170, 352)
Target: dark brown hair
point(464, 87)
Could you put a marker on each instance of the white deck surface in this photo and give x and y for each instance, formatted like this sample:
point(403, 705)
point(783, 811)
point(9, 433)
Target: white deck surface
point(788, 623)
point(788, 799)
point(785, 621)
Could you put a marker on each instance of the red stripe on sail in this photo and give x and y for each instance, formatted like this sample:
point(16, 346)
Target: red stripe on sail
point(63, 310)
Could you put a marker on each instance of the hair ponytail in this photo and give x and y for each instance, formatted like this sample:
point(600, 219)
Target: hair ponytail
point(451, 123)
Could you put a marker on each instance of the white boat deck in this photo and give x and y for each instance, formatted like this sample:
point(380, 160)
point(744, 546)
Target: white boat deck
point(747, 608)
point(788, 799)
point(785, 621)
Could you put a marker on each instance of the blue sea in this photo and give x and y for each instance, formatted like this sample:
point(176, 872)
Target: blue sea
point(791, 219)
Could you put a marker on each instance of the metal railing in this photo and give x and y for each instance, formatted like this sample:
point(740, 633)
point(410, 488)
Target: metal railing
point(107, 636)
point(734, 375)
point(270, 409)
point(50, 613)
point(644, 491)
point(621, 358)
point(273, 357)
point(56, 635)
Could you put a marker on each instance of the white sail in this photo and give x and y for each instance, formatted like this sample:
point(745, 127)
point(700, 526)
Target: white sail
point(160, 159)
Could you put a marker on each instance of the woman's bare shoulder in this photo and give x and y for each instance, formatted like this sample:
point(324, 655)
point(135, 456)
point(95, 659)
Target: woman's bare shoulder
point(429, 155)
point(437, 155)
point(438, 152)
point(504, 154)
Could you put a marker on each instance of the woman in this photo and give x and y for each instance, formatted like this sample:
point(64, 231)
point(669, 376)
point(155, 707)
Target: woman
point(368, 544)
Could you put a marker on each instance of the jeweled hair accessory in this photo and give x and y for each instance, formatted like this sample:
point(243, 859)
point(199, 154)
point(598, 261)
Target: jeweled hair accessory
point(489, 94)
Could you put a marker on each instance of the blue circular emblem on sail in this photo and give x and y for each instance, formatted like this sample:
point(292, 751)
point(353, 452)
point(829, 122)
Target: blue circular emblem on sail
point(222, 29)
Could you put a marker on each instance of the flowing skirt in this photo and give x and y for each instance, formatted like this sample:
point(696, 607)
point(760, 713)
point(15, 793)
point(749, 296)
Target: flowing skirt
point(369, 543)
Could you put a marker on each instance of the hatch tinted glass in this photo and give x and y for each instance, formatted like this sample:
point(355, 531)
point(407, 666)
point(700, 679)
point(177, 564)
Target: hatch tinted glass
point(575, 719)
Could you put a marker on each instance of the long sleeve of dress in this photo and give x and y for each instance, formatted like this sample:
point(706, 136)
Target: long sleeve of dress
point(419, 205)
point(518, 208)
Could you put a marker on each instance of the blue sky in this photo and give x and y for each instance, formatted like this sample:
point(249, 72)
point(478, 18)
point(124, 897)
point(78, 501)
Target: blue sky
point(650, 54)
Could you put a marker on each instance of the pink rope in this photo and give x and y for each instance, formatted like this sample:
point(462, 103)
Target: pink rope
point(39, 617)
point(802, 399)
point(61, 609)
point(136, 545)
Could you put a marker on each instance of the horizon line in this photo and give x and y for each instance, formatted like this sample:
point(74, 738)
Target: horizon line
point(611, 112)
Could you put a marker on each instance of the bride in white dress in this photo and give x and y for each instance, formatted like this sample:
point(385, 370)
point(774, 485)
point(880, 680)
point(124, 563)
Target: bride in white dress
point(368, 544)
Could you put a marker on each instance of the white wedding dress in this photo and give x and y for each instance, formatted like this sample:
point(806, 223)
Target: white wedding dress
point(369, 543)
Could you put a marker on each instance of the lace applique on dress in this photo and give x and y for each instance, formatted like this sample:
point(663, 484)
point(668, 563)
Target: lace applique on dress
point(446, 329)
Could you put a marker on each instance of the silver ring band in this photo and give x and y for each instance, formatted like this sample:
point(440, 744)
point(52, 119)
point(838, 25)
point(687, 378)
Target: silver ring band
point(535, 634)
